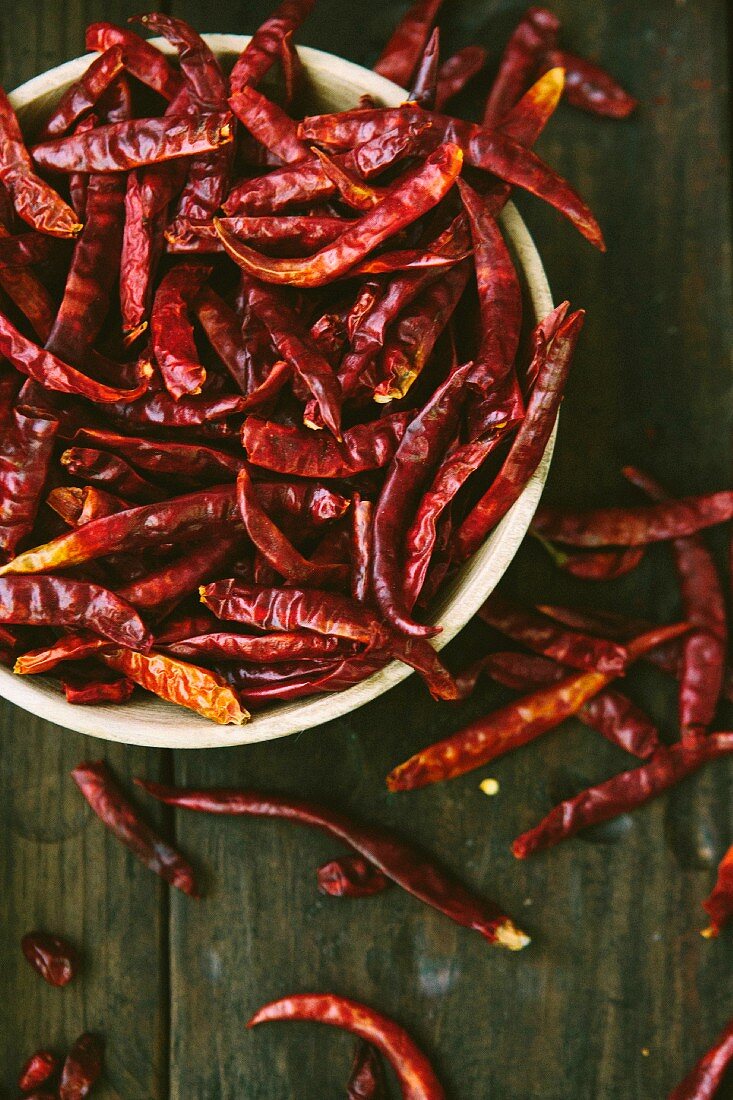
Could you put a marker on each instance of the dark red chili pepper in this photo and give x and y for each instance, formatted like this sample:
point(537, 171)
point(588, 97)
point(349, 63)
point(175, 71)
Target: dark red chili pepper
point(590, 87)
point(172, 332)
point(83, 94)
point(121, 146)
point(58, 601)
point(456, 72)
point(26, 449)
point(34, 201)
point(425, 81)
point(413, 464)
point(704, 1079)
point(28, 293)
point(143, 61)
point(265, 46)
point(292, 68)
point(623, 793)
point(542, 635)
point(53, 957)
point(397, 860)
point(112, 473)
point(157, 593)
point(535, 33)
point(598, 565)
point(354, 191)
point(401, 55)
point(23, 250)
point(367, 1076)
point(296, 233)
point(93, 688)
point(166, 459)
point(38, 1068)
point(413, 1071)
point(719, 904)
point(514, 725)
point(528, 445)
point(269, 124)
point(362, 519)
point(703, 606)
point(259, 648)
point(100, 789)
point(351, 877)
point(82, 1067)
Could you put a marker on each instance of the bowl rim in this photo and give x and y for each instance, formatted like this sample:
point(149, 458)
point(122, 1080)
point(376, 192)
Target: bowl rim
point(154, 723)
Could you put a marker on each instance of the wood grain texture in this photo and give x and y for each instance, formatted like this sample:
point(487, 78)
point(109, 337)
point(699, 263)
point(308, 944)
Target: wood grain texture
point(617, 967)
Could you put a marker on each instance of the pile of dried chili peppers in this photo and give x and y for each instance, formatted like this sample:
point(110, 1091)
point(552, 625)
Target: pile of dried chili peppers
point(265, 382)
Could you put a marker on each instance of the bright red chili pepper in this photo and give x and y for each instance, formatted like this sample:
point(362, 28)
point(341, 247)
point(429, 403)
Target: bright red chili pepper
point(264, 48)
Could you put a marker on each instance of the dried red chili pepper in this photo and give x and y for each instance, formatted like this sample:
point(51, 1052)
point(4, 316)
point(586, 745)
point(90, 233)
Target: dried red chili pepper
point(143, 61)
point(303, 233)
point(397, 860)
point(400, 56)
point(292, 68)
point(79, 506)
point(28, 293)
point(622, 793)
point(93, 688)
point(535, 33)
point(113, 808)
point(180, 683)
point(366, 1081)
point(599, 565)
point(418, 191)
point(23, 250)
point(259, 648)
point(355, 192)
point(528, 445)
point(269, 124)
point(362, 520)
point(166, 459)
point(37, 1069)
point(289, 450)
point(72, 647)
point(157, 593)
point(704, 1079)
point(703, 606)
point(82, 1067)
point(26, 449)
point(112, 473)
point(542, 635)
point(456, 72)
point(514, 725)
point(413, 464)
point(34, 200)
point(719, 904)
point(172, 332)
point(265, 46)
point(53, 957)
point(121, 146)
point(83, 94)
point(58, 601)
point(590, 87)
point(351, 877)
point(425, 81)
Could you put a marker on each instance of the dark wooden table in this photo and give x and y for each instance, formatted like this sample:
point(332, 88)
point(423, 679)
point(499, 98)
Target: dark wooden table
point(618, 993)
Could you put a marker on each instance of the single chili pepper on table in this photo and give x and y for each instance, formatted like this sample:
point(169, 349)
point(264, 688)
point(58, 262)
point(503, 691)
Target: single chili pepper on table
point(425, 81)
point(82, 1067)
point(366, 1081)
point(26, 450)
point(456, 72)
point(401, 55)
point(58, 601)
point(590, 87)
point(143, 61)
point(623, 792)
point(351, 877)
point(703, 606)
point(397, 860)
point(265, 46)
point(36, 1070)
point(414, 1072)
point(634, 526)
point(100, 789)
point(83, 94)
point(515, 724)
point(53, 957)
point(704, 1079)
point(719, 904)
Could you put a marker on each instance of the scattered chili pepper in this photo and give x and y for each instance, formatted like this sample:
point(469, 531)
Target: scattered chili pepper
point(719, 904)
point(623, 792)
point(589, 87)
point(53, 957)
point(397, 860)
point(514, 725)
point(704, 1079)
point(367, 1076)
point(37, 1069)
point(535, 33)
point(82, 1067)
point(351, 877)
point(400, 56)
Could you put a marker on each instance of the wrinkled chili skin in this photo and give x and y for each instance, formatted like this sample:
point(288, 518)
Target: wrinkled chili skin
point(589, 87)
point(397, 860)
point(269, 124)
point(82, 1067)
point(259, 648)
point(142, 60)
point(536, 33)
point(172, 332)
point(275, 234)
point(111, 806)
point(304, 453)
point(159, 592)
point(95, 690)
point(704, 1079)
point(165, 458)
point(83, 93)
point(264, 49)
point(350, 877)
point(362, 521)
point(719, 904)
point(366, 1081)
point(425, 82)
point(26, 449)
point(401, 55)
point(111, 472)
point(37, 1069)
point(53, 957)
point(622, 793)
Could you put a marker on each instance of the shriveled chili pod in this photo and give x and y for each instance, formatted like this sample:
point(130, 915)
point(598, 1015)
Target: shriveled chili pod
point(350, 877)
point(399, 58)
point(26, 448)
point(362, 519)
point(705, 1078)
point(269, 124)
point(425, 82)
point(292, 69)
point(536, 33)
point(142, 60)
point(95, 688)
point(400, 862)
point(37, 1070)
point(181, 683)
point(82, 95)
point(172, 332)
point(53, 957)
point(590, 87)
point(457, 71)
point(165, 458)
point(719, 904)
point(111, 472)
point(598, 565)
point(82, 1067)
point(277, 233)
point(258, 648)
point(264, 48)
point(366, 1081)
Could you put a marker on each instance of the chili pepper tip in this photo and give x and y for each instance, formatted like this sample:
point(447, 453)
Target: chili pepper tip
point(508, 935)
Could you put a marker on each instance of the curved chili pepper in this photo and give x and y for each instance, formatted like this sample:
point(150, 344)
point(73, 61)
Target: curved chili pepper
point(719, 904)
point(53, 957)
point(418, 191)
point(37, 1069)
point(397, 860)
point(598, 565)
point(400, 56)
point(528, 445)
point(704, 1079)
point(425, 81)
point(351, 877)
point(514, 725)
point(412, 465)
point(121, 146)
point(58, 601)
point(72, 647)
point(622, 793)
point(143, 61)
point(172, 332)
point(589, 87)
point(703, 606)
point(34, 201)
point(259, 648)
point(289, 450)
point(26, 449)
point(83, 94)
point(533, 36)
point(157, 593)
point(264, 48)
point(82, 1067)
point(269, 124)
point(198, 63)
point(457, 71)
point(165, 459)
point(111, 472)
point(304, 233)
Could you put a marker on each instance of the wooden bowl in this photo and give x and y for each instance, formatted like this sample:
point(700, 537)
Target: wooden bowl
point(333, 84)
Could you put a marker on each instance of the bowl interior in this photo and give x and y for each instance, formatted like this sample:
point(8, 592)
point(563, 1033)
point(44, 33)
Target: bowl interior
point(332, 84)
